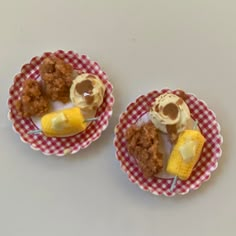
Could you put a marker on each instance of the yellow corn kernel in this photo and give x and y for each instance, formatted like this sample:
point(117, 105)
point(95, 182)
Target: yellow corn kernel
point(62, 123)
point(185, 154)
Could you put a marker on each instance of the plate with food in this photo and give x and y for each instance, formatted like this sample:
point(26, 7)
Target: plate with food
point(168, 142)
point(60, 102)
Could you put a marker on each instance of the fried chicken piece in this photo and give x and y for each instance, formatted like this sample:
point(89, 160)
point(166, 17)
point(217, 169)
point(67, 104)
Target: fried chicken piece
point(32, 102)
point(57, 76)
point(142, 144)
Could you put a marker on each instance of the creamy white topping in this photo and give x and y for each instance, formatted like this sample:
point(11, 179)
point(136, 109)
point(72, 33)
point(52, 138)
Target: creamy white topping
point(188, 150)
point(59, 121)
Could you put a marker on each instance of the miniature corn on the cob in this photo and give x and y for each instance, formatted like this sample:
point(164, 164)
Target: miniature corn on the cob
point(63, 122)
point(185, 154)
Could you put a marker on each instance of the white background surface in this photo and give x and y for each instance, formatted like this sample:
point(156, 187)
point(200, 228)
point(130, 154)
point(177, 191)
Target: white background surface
point(142, 45)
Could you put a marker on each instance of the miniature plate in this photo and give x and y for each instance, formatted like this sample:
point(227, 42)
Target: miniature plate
point(136, 112)
point(65, 145)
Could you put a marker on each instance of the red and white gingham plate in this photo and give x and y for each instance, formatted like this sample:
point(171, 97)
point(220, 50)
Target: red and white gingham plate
point(208, 160)
point(52, 145)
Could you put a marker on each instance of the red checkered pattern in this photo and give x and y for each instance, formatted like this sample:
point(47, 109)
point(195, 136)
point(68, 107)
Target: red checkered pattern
point(207, 163)
point(58, 146)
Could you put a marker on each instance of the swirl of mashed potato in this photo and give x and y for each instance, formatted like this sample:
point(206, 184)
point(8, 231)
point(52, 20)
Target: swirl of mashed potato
point(87, 92)
point(170, 114)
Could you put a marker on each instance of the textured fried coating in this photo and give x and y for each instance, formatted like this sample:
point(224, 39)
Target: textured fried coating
point(32, 101)
point(57, 76)
point(143, 143)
